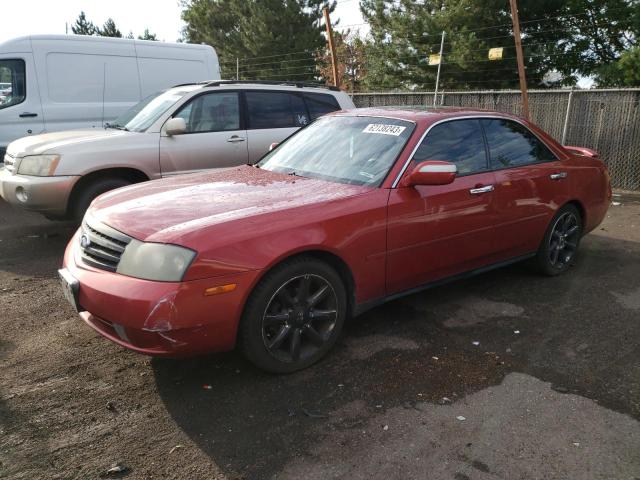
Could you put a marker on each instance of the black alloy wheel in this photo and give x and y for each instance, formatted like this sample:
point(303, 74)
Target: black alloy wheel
point(300, 318)
point(294, 316)
point(561, 241)
point(564, 239)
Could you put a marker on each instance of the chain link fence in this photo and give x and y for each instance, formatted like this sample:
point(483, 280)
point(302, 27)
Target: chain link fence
point(606, 120)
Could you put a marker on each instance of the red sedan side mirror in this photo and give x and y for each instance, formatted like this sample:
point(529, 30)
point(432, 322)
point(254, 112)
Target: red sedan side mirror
point(431, 172)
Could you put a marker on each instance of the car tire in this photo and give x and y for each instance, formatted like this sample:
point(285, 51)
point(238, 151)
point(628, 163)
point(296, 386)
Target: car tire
point(294, 316)
point(560, 244)
point(90, 192)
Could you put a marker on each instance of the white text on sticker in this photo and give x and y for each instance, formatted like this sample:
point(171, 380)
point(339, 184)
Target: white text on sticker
point(394, 130)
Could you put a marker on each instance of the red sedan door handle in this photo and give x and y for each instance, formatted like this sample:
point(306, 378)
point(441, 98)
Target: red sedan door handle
point(479, 189)
point(558, 176)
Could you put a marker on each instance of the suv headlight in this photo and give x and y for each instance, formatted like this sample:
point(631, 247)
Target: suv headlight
point(155, 261)
point(38, 165)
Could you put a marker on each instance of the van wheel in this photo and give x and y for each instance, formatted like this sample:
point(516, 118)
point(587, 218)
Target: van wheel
point(90, 192)
point(294, 316)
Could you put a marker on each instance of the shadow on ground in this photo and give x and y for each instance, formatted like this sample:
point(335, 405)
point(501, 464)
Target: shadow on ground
point(578, 332)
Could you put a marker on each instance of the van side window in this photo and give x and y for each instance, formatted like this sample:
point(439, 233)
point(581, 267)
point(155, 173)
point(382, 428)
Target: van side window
point(212, 112)
point(320, 104)
point(275, 110)
point(457, 141)
point(513, 145)
point(13, 86)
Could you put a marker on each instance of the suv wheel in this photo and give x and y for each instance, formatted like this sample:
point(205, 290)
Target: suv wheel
point(90, 192)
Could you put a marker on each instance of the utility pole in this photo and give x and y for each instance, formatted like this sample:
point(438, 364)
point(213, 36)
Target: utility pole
point(435, 94)
point(565, 128)
point(521, 72)
point(332, 47)
point(237, 69)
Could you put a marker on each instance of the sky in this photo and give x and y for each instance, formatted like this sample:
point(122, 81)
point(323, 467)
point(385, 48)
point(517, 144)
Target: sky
point(162, 17)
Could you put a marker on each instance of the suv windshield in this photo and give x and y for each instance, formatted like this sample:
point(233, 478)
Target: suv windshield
point(345, 149)
point(142, 115)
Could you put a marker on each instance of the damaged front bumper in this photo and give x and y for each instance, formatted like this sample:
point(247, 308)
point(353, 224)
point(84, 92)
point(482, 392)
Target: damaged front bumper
point(173, 319)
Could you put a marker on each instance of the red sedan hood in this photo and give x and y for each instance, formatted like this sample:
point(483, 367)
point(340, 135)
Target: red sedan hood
point(166, 210)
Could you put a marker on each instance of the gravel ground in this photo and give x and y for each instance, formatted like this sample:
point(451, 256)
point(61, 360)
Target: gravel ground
point(507, 375)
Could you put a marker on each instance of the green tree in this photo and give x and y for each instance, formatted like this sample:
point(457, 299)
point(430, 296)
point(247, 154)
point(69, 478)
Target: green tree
point(109, 29)
point(624, 72)
point(274, 39)
point(596, 34)
point(572, 37)
point(148, 36)
point(82, 26)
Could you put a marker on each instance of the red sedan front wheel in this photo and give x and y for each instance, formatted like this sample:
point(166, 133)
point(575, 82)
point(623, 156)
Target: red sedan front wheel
point(294, 316)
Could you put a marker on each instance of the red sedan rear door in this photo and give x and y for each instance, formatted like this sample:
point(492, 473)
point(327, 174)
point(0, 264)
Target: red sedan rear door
point(440, 230)
point(531, 184)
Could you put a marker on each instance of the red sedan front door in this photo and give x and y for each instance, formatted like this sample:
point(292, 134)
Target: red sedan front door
point(438, 231)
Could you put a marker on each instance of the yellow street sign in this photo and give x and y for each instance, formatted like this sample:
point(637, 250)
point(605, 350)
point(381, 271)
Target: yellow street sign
point(495, 53)
point(434, 59)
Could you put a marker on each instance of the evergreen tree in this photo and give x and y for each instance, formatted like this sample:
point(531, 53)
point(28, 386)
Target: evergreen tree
point(572, 37)
point(287, 34)
point(109, 29)
point(83, 26)
point(148, 35)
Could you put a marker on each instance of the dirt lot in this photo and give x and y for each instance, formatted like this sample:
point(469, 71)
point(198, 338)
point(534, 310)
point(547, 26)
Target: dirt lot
point(551, 389)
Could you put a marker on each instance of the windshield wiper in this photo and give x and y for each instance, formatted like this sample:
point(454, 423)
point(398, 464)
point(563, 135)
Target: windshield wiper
point(117, 126)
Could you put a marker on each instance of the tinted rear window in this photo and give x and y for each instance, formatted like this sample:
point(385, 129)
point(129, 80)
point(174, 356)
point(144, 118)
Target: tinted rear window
point(513, 145)
point(320, 104)
point(275, 110)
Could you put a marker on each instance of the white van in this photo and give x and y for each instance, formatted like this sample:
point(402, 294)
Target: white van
point(61, 82)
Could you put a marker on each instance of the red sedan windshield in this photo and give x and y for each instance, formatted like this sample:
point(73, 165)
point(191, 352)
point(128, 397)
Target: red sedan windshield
point(345, 149)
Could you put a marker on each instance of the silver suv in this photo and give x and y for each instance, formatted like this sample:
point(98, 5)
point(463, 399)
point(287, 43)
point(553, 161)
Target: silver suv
point(185, 129)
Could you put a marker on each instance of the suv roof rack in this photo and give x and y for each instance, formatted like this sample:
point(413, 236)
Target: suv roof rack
point(190, 83)
point(217, 83)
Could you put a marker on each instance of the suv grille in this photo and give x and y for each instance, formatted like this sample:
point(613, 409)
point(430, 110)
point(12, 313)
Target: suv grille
point(101, 245)
point(9, 163)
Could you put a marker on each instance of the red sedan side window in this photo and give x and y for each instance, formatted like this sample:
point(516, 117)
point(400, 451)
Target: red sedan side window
point(513, 145)
point(459, 142)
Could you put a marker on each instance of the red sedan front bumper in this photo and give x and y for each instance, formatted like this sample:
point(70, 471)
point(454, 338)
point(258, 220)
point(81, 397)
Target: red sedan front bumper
point(159, 318)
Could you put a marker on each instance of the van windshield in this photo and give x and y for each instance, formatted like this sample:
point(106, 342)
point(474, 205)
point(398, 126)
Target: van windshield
point(142, 115)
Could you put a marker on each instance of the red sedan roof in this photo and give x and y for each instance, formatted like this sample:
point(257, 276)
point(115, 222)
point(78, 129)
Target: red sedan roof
point(421, 114)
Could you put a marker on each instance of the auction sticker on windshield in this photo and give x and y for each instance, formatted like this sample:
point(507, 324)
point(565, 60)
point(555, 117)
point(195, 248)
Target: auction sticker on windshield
point(394, 130)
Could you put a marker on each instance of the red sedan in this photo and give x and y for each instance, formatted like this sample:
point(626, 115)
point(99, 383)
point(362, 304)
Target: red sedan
point(356, 209)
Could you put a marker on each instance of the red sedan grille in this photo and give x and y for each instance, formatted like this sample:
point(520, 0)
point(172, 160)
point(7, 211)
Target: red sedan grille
point(102, 246)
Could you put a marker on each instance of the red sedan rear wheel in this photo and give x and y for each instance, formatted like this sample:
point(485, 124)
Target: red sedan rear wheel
point(560, 244)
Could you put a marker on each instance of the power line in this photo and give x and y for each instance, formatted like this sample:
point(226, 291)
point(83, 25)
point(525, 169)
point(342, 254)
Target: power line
point(454, 34)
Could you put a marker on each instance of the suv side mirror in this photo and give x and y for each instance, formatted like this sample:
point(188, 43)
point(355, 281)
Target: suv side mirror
point(431, 172)
point(175, 126)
